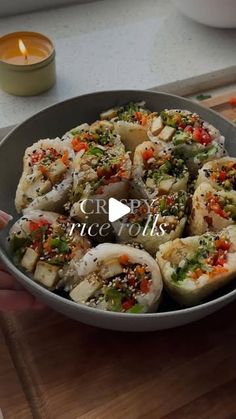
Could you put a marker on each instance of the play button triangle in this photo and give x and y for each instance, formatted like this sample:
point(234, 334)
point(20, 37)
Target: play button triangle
point(116, 209)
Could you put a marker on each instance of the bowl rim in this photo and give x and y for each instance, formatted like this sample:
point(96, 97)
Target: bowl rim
point(24, 279)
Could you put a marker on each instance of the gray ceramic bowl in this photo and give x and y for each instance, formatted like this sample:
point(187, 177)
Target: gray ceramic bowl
point(56, 120)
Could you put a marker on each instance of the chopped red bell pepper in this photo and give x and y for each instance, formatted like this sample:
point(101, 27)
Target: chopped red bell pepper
point(222, 175)
point(145, 286)
point(220, 258)
point(222, 244)
point(148, 154)
point(201, 136)
point(188, 128)
point(36, 157)
point(127, 304)
point(36, 225)
point(40, 154)
point(214, 205)
point(170, 200)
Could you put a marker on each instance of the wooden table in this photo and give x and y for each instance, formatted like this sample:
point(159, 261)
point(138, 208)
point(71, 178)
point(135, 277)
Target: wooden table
point(66, 370)
point(13, 401)
point(55, 368)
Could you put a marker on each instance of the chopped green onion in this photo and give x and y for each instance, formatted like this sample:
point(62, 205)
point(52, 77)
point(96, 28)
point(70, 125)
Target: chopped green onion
point(95, 151)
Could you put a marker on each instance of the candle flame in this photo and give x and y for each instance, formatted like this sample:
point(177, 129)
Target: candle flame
point(23, 49)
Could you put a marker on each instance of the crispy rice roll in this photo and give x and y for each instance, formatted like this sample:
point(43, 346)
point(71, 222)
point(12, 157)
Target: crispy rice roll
point(101, 166)
point(47, 176)
point(194, 140)
point(120, 278)
point(44, 244)
point(195, 267)
point(152, 226)
point(132, 122)
point(157, 171)
point(221, 174)
point(100, 173)
point(211, 209)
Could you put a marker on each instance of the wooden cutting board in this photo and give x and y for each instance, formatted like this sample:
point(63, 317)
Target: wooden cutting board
point(222, 104)
point(52, 367)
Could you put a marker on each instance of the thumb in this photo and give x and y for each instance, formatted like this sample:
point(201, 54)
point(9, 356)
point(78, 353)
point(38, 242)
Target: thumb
point(4, 219)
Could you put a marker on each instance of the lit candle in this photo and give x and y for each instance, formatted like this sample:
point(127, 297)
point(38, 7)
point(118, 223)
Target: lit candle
point(27, 63)
point(23, 50)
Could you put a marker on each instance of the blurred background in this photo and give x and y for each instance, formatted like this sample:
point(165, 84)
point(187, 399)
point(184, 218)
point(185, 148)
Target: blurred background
point(125, 44)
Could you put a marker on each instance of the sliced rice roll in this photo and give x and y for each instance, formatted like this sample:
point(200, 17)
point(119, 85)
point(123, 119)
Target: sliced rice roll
point(194, 267)
point(45, 244)
point(221, 174)
point(156, 172)
point(132, 122)
point(193, 139)
point(47, 176)
point(211, 210)
point(120, 278)
point(152, 226)
point(101, 166)
point(99, 173)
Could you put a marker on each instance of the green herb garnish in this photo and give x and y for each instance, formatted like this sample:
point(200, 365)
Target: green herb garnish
point(127, 112)
point(60, 244)
point(190, 265)
point(203, 97)
point(196, 261)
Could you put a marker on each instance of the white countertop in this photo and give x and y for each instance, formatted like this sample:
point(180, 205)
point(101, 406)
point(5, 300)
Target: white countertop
point(123, 44)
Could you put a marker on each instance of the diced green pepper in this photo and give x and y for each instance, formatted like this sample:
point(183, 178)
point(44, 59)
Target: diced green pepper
point(56, 260)
point(113, 298)
point(74, 131)
point(137, 308)
point(211, 151)
point(168, 119)
point(180, 137)
point(18, 246)
point(162, 204)
point(95, 151)
point(19, 242)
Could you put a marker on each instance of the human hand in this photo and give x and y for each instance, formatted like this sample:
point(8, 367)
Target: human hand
point(12, 296)
point(4, 219)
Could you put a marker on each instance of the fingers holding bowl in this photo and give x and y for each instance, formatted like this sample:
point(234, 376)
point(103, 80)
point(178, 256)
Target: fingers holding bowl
point(4, 219)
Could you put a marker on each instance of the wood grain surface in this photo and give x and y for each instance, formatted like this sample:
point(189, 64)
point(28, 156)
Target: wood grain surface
point(13, 402)
point(52, 367)
point(222, 105)
point(71, 371)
